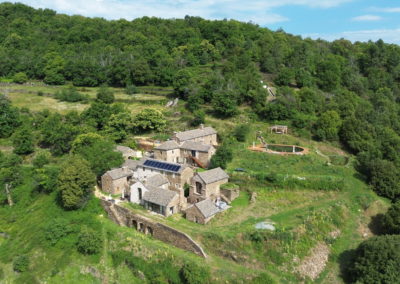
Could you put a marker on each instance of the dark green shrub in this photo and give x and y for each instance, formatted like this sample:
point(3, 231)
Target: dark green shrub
point(199, 117)
point(21, 263)
point(105, 95)
point(192, 273)
point(391, 220)
point(70, 95)
point(131, 90)
point(20, 78)
point(89, 241)
point(376, 260)
point(222, 157)
point(41, 159)
point(57, 229)
point(241, 132)
point(22, 141)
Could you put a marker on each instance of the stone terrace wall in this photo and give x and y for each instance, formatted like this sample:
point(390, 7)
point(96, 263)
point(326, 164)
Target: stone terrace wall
point(124, 217)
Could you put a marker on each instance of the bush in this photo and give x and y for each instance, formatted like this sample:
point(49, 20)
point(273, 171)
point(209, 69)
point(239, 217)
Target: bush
point(20, 78)
point(70, 95)
point(199, 117)
point(131, 90)
point(57, 229)
point(41, 159)
point(105, 95)
point(22, 141)
point(391, 220)
point(222, 157)
point(241, 132)
point(21, 263)
point(194, 274)
point(89, 241)
point(384, 179)
point(377, 260)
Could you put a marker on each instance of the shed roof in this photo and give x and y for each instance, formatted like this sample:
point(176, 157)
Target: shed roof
point(195, 133)
point(131, 164)
point(156, 180)
point(196, 146)
point(207, 208)
point(211, 176)
point(123, 149)
point(168, 145)
point(119, 173)
point(159, 196)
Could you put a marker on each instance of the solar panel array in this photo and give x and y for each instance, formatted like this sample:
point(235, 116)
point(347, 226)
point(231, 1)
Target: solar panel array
point(162, 165)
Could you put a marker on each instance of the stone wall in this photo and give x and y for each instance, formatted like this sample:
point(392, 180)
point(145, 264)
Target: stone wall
point(125, 217)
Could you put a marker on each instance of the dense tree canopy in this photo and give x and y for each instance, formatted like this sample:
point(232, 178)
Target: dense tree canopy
point(377, 260)
point(75, 183)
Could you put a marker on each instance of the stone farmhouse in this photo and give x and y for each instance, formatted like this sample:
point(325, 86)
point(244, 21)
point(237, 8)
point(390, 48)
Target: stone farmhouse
point(206, 185)
point(116, 181)
point(167, 184)
point(205, 135)
point(194, 147)
point(188, 152)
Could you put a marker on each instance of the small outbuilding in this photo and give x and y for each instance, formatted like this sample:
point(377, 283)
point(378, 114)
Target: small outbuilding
point(202, 212)
point(206, 185)
point(128, 153)
point(116, 181)
point(161, 201)
point(279, 129)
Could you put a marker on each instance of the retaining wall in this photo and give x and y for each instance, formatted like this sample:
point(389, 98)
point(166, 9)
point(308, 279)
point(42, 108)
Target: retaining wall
point(125, 217)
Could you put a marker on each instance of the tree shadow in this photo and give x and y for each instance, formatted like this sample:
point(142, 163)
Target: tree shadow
point(345, 261)
point(376, 224)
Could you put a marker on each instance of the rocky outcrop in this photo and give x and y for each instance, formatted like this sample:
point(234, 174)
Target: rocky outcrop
point(125, 217)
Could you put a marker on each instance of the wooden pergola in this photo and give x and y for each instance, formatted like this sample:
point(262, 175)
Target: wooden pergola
point(279, 129)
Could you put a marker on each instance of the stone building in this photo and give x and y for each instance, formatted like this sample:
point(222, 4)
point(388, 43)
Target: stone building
point(128, 153)
point(177, 175)
point(202, 212)
point(206, 185)
point(161, 201)
point(116, 181)
point(138, 188)
point(168, 151)
point(205, 135)
point(189, 152)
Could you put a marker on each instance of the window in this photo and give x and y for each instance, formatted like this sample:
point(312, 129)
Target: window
point(140, 193)
point(177, 185)
point(199, 187)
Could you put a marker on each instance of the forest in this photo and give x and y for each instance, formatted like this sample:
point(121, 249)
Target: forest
point(342, 93)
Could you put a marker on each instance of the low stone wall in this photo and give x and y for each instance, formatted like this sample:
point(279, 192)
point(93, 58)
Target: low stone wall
point(125, 217)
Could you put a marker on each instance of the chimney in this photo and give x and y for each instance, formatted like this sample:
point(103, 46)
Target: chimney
point(202, 126)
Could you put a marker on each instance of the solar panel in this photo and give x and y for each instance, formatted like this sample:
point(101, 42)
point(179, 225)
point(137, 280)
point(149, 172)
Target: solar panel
point(162, 165)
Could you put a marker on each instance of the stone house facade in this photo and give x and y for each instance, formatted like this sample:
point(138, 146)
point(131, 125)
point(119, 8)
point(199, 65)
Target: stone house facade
point(206, 185)
point(161, 201)
point(177, 175)
point(188, 152)
point(116, 181)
